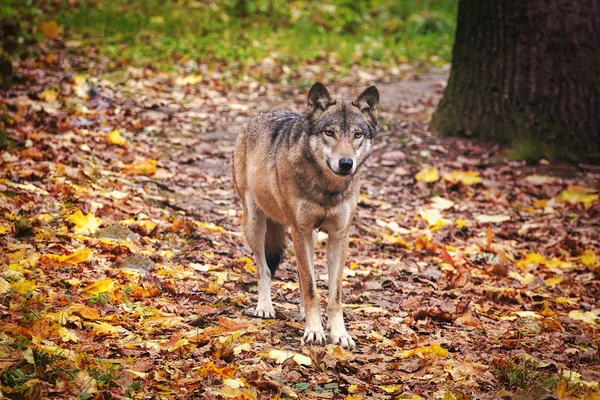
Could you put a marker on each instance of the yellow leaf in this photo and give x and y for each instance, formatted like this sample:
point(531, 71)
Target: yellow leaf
point(434, 218)
point(393, 239)
point(67, 335)
point(532, 258)
point(588, 258)
point(353, 396)
point(586, 316)
point(525, 280)
point(4, 230)
point(104, 328)
point(428, 175)
point(578, 194)
point(84, 224)
point(281, 355)
point(85, 383)
point(242, 347)
point(73, 258)
point(434, 350)
point(189, 80)
point(24, 287)
point(104, 285)
point(540, 203)
point(248, 263)
point(144, 167)
point(391, 388)
point(465, 177)
point(555, 280)
point(210, 226)
point(233, 383)
point(440, 203)
point(461, 223)
point(528, 314)
point(48, 95)
point(114, 137)
point(492, 218)
point(353, 388)
point(4, 286)
point(449, 396)
point(49, 29)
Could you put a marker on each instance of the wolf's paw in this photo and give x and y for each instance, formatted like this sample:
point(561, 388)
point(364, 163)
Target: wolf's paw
point(314, 337)
point(344, 341)
point(263, 312)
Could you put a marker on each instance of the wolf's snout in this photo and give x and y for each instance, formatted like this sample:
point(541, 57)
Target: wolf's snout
point(346, 164)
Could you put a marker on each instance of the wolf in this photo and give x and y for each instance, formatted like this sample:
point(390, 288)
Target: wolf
point(301, 172)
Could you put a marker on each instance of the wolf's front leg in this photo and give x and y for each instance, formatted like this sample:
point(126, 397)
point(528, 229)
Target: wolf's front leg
point(255, 229)
point(337, 252)
point(304, 248)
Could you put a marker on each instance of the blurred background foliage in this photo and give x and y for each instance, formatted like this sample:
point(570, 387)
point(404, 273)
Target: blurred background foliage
point(245, 32)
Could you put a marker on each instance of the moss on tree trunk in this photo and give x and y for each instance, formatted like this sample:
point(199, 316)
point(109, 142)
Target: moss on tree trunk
point(526, 73)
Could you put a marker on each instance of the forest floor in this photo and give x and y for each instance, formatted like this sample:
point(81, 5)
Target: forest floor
point(124, 271)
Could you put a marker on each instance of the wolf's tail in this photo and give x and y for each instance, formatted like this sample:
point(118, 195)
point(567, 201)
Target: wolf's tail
point(274, 244)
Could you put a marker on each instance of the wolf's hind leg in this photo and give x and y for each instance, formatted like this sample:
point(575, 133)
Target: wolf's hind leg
point(255, 229)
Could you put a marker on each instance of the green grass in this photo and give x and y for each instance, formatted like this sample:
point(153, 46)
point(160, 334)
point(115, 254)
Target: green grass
point(237, 33)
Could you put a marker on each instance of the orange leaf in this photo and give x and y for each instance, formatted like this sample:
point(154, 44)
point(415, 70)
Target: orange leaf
point(49, 29)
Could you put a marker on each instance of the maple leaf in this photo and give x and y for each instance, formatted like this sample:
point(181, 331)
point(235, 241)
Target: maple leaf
point(575, 194)
point(281, 355)
point(434, 218)
point(434, 350)
point(101, 286)
point(114, 137)
point(143, 167)
point(586, 316)
point(428, 175)
point(467, 178)
point(72, 259)
point(588, 258)
point(49, 29)
point(84, 224)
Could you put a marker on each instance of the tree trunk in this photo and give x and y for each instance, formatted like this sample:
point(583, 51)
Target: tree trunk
point(526, 72)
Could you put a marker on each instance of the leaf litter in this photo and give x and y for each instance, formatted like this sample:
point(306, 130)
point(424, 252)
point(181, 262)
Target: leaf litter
point(124, 271)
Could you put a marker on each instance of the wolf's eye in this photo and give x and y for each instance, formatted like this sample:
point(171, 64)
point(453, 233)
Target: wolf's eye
point(329, 132)
point(358, 135)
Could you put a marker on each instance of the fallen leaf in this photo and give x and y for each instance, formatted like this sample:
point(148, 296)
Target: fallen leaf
point(49, 29)
point(467, 178)
point(73, 258)
point(428, 175)
point(114, 137)
point(441, 204)
point(588, 258)
point(281, 355)
point(84, 224)
point(434, 218)
point(104, 285)
point(434, 350)
point(492, 218)
point(586, 316)
point(574, 195)
point(540, 179)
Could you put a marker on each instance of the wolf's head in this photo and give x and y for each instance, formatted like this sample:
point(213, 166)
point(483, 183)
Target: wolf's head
point(341, 132)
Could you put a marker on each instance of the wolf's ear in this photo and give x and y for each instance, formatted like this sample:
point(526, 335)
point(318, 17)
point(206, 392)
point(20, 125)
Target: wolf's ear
point(319, 98)
point(367, 101)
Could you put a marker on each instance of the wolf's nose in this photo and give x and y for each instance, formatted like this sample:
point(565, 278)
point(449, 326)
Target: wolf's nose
point(346, 164)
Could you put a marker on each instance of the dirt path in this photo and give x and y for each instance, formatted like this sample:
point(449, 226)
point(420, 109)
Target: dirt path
point(441, 295)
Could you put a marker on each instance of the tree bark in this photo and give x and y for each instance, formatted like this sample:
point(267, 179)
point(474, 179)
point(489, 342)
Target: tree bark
point(526, 72)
